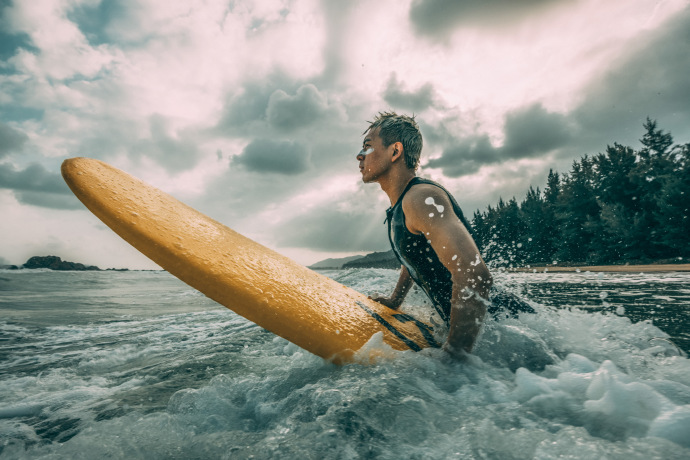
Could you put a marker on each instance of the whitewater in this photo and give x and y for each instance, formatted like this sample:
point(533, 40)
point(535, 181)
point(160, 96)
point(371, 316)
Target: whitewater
point(139, 365)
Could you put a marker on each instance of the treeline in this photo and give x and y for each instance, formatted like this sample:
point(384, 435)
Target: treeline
point(621, 206)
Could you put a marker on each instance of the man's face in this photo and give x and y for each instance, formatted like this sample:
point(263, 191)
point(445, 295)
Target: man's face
point(372, 159)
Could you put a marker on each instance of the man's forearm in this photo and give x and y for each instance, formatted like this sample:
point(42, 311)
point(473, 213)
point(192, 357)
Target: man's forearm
point(467, 312)
point(402, 287)
point(400, 291)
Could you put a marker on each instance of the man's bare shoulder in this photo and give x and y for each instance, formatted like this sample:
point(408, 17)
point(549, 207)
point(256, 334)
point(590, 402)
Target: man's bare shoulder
point(419, 197)
point(420, 204)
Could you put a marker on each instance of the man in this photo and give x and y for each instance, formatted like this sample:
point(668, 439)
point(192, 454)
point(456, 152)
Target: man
point(427, 232)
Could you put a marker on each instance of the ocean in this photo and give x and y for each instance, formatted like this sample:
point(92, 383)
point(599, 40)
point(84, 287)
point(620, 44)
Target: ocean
point(139, 365)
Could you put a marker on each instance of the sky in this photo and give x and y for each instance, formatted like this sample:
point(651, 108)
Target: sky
point(253, 111)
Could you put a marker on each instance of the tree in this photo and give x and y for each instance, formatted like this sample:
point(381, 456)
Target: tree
point(621, 205)
point(536, 242)
point(673, 204)
point(578, 212)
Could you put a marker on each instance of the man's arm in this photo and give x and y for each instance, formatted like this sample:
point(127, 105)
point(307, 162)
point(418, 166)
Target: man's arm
point(428, 211)
point(400, 291)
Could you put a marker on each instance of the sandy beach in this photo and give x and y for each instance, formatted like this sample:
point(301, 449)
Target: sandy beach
point(608, 268)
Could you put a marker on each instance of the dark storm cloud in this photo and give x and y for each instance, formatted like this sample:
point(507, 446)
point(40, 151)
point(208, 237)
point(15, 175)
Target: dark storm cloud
point(268, 156)
point(247, 106)
point(286, 112)
point(652, 80)
point(534, 131)
point(398, 97)
point(34, 178)
point(48, 200)
point(37, 186)
point(529, 132)
point(436, 18)
point(330, 229)
point(11, 140)
point(649, 81)
point(278, 104)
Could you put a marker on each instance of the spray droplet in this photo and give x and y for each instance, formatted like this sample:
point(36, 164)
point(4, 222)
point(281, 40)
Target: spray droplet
point(430, 201)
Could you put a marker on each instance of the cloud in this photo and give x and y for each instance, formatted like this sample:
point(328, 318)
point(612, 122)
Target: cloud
point(329, 228)
point(279, 103)
point(48, 200)
point(268, 156)
point(11, 140)
point(283, 89)
point(528, 132)
point(437, 18)
point(94, 20)
point(534, 131)
point(649, 81)
point(174, 151)
point(245, 110)
point(398, 97)
point(34, 178)
point(337, 16)
point(37, 186)
point(308, 105)
point(10, 43)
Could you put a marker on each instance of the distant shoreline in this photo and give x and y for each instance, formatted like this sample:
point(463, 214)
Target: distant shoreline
point(649, 268)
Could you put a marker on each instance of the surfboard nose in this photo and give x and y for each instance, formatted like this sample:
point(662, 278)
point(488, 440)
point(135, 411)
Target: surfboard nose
point(71, 166)
point(69, 169)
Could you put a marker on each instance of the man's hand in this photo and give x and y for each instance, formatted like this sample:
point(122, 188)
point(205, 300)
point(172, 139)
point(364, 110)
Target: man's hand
point(399, 293)
point(390, 302)
point(457, 353)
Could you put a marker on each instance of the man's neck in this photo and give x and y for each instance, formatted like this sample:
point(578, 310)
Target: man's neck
point(395, 183)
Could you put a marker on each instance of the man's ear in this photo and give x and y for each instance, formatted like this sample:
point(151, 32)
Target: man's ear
point(397, 151)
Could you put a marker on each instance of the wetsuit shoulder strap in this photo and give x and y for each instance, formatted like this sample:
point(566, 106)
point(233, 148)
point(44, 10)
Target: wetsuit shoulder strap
point(415, 180)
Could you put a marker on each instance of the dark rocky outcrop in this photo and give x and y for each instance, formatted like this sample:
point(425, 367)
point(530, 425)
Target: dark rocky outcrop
point(375, 260)
point(333, 264)
point(56, 263)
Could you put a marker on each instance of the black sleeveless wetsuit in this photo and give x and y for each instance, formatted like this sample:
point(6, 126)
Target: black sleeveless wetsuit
point(420, 259)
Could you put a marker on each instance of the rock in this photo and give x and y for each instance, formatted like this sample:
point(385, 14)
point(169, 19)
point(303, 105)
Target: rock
point(375, 260)
point(56, 263)
point(334, 264)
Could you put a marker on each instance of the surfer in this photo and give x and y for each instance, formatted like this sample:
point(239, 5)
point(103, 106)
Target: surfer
point(428, 233)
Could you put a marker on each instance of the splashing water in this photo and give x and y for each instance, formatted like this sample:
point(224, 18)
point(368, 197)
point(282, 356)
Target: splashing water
point(138, 365)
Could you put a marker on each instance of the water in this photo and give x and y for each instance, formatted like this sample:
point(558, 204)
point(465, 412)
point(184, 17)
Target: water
point(139, 365)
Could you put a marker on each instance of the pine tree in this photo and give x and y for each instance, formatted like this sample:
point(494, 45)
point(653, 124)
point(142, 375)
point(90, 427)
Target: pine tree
point(653, 169)
point(673, 206)
point(578, 212)
point(536, 240)
point(619, 206)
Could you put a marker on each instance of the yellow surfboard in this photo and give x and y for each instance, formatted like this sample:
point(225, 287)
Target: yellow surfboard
point(290, 300)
